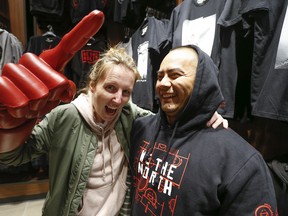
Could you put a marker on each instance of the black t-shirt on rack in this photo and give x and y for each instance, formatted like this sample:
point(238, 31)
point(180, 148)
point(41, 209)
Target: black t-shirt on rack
point(146, 42)
point(80, 65)
point(270, 61)
point(37, 44)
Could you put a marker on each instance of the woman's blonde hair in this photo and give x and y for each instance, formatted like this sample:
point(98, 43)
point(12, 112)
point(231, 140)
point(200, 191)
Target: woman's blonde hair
point(113, 56)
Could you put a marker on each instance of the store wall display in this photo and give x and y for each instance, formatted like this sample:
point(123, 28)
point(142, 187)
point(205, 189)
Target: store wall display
point(246, 40)
point(198, 23)
point(222, 29)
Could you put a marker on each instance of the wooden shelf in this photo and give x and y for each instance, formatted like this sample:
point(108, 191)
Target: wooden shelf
point(23, 190)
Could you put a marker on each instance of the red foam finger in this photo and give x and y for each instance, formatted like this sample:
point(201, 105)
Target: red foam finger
point(7, 121)
point(73, 41)
point(56, 82)
point(13, 138)
point(49, 106)
point(12, 98)
point(69, 93)
point(24, 98)
point(28, 83)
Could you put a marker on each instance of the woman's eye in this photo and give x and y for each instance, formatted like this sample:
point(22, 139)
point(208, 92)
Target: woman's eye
point(126, 93)
point(110, 88)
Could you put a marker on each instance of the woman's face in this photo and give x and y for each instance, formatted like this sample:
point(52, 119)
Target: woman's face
point(112, 92)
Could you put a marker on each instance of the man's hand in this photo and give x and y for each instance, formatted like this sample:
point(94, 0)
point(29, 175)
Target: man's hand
point(217, 120)
point(36, 85)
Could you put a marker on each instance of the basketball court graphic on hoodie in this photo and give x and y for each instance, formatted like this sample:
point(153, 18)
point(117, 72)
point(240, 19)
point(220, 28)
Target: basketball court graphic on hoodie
point(155, 174)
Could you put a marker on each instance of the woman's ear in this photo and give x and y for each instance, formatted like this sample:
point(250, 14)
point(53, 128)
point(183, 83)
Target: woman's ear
point(92, 87)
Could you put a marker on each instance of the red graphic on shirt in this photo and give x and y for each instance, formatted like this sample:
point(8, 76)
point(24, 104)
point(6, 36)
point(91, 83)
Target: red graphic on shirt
point(75, 3)
point(264, 210)
point(90, 56)
point(104, 2)
point(157, 175)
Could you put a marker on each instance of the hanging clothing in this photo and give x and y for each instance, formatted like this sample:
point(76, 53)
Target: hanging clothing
point(52, 12)
point(194, 22)
point(269, 71)
point(10, 48)
point(78, 68)
point(37, 44)
point(146, 42)
point(79, 9)
point(218, 28)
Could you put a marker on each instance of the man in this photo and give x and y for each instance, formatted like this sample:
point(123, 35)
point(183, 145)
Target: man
point(182, 167)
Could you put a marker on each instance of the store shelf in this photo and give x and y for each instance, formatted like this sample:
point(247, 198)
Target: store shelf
point(23, 190)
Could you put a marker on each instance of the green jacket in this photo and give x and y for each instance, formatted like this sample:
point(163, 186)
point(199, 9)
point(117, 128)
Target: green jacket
point(71, 147)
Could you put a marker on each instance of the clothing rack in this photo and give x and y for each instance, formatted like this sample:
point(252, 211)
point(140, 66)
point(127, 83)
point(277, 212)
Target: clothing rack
point(157, 14)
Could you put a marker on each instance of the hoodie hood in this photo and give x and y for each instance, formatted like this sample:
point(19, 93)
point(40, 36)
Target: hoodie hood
point(205, 98)
point(202, 104)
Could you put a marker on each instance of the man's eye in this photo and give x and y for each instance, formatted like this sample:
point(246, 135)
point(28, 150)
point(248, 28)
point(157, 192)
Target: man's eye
point(174, 75)
point(160, 77)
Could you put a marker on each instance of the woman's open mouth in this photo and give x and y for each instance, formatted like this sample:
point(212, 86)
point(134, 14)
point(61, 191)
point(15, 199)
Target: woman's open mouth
point(110, 110)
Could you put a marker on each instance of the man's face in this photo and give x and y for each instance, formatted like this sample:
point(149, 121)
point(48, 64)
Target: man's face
point(175, 81)
point(112, 92)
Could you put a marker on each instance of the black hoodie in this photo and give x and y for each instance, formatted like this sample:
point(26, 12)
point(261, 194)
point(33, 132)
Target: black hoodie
point(190, 169)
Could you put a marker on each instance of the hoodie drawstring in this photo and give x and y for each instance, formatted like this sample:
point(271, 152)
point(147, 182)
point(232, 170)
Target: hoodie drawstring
point(111, 158)
point(110, 148)
point(103, 157)
point(148, 154)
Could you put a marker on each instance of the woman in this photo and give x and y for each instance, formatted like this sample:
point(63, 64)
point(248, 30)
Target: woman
point(87, 142)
